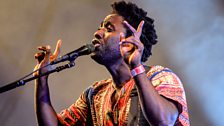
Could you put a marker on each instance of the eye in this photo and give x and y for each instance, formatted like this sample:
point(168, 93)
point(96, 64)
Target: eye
point(110, 28)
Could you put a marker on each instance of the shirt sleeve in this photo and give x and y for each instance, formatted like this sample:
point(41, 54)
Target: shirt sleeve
point(76, 114)
point(169, 86)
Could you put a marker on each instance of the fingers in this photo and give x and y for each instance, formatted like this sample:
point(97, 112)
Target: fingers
point(130, 40)
point(45, 48)
point(122, 37)
point(56, 51)
point(129, 26)
point(126, 46)
point(39, 56)
point(132, 48)
point(135, 39)
point(131, 43)
point(44, 55)
point(42, 58)
point(47, 54)
point(137, 32)
point(140, 26)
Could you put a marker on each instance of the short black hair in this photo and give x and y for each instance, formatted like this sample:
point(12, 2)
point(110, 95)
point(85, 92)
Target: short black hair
point(134, 15)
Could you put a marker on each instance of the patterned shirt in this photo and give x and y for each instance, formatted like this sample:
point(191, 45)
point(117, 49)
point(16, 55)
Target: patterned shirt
point(94, 106)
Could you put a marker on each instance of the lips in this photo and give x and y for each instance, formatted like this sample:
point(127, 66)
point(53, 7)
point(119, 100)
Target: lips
point(96, 43)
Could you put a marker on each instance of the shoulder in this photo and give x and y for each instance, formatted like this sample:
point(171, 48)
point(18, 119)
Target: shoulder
point(99, 86)
point(168, 84)
point(156, 70)
point(162, 75)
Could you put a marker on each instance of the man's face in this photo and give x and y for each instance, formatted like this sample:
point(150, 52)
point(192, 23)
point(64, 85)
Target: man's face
point(107, 39)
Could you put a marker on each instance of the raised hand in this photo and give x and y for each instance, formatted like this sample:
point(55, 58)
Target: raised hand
point(131, 48)
point(45, 57)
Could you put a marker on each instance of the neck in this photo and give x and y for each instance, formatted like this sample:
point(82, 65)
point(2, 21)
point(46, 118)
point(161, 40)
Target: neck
point(120, 73)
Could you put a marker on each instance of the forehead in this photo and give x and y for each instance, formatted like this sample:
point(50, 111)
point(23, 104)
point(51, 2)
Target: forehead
point(114, 19)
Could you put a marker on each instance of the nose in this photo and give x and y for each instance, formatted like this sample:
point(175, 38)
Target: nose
point(99, 34)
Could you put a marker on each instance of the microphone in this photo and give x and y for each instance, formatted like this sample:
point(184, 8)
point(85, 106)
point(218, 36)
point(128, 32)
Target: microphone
point(83, 50)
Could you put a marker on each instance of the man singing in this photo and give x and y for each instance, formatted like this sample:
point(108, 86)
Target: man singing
point(135, 94)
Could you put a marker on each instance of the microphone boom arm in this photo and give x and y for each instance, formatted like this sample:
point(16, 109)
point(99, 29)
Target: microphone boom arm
point(24, 81)
point(83, 50)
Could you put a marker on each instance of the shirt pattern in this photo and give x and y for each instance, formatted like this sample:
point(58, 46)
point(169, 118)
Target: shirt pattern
point(94, 106)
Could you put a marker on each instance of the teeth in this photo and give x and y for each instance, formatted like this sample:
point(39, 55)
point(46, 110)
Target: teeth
point(96, 43)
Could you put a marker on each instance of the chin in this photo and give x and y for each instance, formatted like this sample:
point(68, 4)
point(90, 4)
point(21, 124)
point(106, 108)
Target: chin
point(101, 60)
point(96, 58)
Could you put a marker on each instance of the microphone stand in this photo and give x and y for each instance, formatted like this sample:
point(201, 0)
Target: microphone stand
point(22, 82)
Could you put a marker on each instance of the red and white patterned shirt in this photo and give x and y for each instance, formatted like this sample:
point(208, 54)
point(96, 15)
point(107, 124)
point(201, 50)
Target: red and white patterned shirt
point(94, 106)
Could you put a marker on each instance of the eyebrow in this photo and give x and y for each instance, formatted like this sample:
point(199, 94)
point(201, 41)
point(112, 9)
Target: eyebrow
point(107, 23)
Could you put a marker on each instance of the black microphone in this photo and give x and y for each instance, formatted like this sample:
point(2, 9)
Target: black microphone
point(83, 50)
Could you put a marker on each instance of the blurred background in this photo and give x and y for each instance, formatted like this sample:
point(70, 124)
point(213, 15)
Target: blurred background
point(191, 42)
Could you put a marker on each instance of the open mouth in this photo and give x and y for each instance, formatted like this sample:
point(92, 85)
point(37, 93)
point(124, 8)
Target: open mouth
point(96, 43)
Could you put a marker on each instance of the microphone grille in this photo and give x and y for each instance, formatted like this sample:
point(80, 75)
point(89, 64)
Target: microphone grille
point(91, 47)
